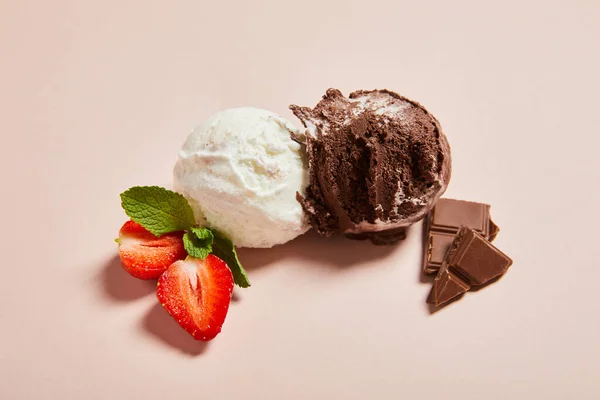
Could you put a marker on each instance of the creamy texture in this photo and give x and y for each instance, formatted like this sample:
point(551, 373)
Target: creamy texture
point(378, 162)
point(240, 171)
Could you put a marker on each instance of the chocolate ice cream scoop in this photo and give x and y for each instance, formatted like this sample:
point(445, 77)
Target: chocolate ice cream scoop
point(377, 161)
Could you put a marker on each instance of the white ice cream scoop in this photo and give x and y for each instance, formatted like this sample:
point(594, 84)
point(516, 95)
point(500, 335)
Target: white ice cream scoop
point(240, 170)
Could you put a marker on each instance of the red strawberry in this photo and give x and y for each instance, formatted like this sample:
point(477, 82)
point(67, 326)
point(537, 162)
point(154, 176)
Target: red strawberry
point(146, 256)
point(197, 294)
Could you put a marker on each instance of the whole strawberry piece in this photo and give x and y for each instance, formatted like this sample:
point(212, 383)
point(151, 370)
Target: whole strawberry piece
point(146, 256)
point(197, 294)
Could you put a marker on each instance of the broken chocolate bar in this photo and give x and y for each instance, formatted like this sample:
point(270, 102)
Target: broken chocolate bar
point(471, 260)
point(442, 223)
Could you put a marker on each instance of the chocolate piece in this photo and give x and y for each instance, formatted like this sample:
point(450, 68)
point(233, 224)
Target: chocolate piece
point(437, 247)
point(377, 163)
point(493, 231)
point(471, 261)
point(442, 223)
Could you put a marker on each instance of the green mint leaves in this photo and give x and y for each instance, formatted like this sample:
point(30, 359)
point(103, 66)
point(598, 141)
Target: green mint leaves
point(163, 211)
point(198, 242)
point(157, 209)
point(224, 249)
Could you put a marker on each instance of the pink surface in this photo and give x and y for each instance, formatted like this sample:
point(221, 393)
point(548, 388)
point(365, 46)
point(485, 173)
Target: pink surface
point(98, 97)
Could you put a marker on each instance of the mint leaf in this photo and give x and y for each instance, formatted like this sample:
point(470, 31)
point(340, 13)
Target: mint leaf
point(204, 236)
point(157, 209)
point(223, 248)
point(198, 242)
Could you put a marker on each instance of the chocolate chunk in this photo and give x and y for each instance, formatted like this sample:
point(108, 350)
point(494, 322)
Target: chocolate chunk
point(437, 247)
point(493, 232)
point(471, 261)
point(442, 223)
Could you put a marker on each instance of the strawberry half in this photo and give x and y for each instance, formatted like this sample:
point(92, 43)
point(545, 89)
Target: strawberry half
point(146, 256)
point(197, 294)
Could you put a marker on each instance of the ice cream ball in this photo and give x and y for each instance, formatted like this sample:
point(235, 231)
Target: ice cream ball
point(240, 170)
point(377, 163)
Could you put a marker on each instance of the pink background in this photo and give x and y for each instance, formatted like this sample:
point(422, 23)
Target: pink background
point(98, 96)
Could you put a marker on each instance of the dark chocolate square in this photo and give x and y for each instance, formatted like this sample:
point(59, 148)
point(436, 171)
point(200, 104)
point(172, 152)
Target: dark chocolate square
point(445, 219)
point(470, 261)
point(475, 259)
point(439, 243)
point(449, 214)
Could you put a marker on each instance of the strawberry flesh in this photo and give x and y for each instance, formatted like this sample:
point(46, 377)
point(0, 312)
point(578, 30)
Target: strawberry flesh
point(197, 294)
point(146, 256)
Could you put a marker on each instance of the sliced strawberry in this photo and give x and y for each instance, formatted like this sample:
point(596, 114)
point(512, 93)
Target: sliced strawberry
point(197, 294)
point(146, 256)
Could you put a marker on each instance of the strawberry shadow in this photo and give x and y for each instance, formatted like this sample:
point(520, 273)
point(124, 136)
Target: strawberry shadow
point(162, 326)
point(334, 252)
point(119, 286)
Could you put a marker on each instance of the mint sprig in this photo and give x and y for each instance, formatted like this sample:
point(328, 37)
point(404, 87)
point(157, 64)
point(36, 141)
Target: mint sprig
point(162, 211)
point(157, 209)
point(198, 242)
point(225, 250)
